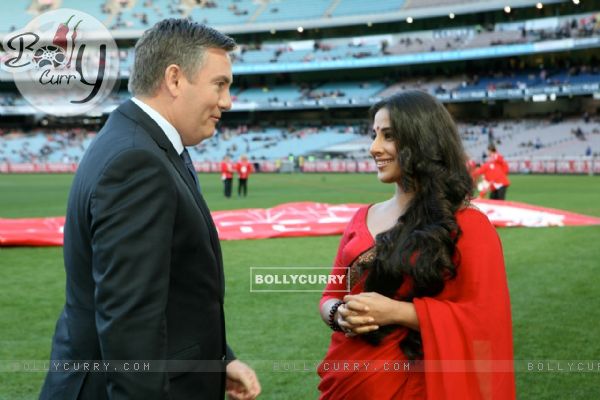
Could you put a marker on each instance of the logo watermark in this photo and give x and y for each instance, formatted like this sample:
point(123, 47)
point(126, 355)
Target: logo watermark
point(118, 366)
point(64, 62)
point(297, 279)
point(304, 366)
point(444, 366)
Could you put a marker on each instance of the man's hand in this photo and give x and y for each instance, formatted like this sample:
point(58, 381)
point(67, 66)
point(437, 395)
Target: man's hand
point(242, 383)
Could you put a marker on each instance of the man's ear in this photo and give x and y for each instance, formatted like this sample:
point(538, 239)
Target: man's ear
point(172, 79)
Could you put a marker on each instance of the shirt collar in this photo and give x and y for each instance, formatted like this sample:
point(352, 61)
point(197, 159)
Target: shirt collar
point(165, 125)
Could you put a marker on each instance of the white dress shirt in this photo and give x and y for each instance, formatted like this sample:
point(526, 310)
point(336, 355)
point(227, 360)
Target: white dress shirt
point(165, 125)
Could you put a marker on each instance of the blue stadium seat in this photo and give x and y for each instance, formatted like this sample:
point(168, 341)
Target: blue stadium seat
point(286, 10)
point(280, 93)
point(224, 14)
point(14, 16)
point(362, 7)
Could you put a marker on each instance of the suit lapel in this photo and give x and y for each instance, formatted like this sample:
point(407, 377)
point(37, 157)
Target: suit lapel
point(130, 110)
point(192, 187)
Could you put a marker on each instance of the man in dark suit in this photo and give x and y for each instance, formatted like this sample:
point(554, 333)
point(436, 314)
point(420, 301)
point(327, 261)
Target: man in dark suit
point(145, 282)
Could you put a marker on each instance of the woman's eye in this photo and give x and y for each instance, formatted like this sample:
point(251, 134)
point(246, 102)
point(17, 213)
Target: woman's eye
point(388, 136)
point(373, 136)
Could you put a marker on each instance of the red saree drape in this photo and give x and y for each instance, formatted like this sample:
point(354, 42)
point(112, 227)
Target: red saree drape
point(466, 330)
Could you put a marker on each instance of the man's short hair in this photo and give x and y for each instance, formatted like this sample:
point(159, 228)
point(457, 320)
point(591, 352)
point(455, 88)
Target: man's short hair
point(172, 41)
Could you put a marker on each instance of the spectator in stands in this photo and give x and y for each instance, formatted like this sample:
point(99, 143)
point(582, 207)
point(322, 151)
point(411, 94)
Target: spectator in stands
point(578, 132)
point(421, 267)
point(244, 169)
point(495, 173)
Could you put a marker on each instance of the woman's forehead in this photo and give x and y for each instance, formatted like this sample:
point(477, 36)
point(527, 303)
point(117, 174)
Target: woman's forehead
point(382, 117)
point(381, 122)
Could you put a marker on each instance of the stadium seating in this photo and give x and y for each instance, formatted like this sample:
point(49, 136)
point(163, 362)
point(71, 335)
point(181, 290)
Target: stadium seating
point(285, 10)
point(535, 138)
point(227, 12)
point(473, 37)
point(257, 56)
point(268, 95)
point(574, 146)
point(260, 143)
point(138, 16)
point(270, 143)
point(303, 55)
point(362, 7)
point(42, 146)
point(445, 4)
point(92, 7)
point(353, 91)
point(428, 84)
point(528, 138)
point(13, 16)
point(525, 83)
point(487, 38)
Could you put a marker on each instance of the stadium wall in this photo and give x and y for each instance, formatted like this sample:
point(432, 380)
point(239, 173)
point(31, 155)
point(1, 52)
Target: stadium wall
point(566, 165)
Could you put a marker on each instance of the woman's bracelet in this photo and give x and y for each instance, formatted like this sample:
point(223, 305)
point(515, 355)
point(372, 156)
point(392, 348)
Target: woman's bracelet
point(332, 322)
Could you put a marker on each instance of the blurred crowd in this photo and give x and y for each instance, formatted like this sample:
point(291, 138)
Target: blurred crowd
point(44, 145)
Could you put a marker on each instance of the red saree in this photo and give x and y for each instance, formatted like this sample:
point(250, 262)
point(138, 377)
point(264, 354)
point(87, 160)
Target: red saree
point(466, 330)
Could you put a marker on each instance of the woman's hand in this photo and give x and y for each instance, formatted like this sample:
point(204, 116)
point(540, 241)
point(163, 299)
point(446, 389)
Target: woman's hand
point(353, 321)
point(365, 312)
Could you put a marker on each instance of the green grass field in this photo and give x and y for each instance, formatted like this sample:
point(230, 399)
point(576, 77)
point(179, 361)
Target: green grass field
point(553, 277)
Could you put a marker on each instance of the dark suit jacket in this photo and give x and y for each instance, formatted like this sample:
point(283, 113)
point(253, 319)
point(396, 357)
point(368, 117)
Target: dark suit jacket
point(144, 273)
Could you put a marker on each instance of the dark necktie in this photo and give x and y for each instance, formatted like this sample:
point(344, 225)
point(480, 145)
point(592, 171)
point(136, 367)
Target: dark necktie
point(185, 156)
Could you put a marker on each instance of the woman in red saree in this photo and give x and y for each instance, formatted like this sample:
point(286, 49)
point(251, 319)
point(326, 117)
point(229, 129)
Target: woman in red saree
point(424, 312)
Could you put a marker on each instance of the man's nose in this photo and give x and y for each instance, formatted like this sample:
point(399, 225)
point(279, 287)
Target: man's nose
point(225, 101)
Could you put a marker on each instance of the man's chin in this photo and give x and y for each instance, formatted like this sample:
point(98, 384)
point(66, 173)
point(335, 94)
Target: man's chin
point(209, 134)
point(201, 136)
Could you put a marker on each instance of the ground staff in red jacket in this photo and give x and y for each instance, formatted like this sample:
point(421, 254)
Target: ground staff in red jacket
point(244, 169)
point(227, 169)
point(495, 173)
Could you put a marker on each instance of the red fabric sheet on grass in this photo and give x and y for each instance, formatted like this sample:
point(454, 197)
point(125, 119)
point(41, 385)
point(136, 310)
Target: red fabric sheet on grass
point(295, 219)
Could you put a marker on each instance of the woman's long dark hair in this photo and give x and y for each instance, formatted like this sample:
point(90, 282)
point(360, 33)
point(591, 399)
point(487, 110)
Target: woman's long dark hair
point(422, 244)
